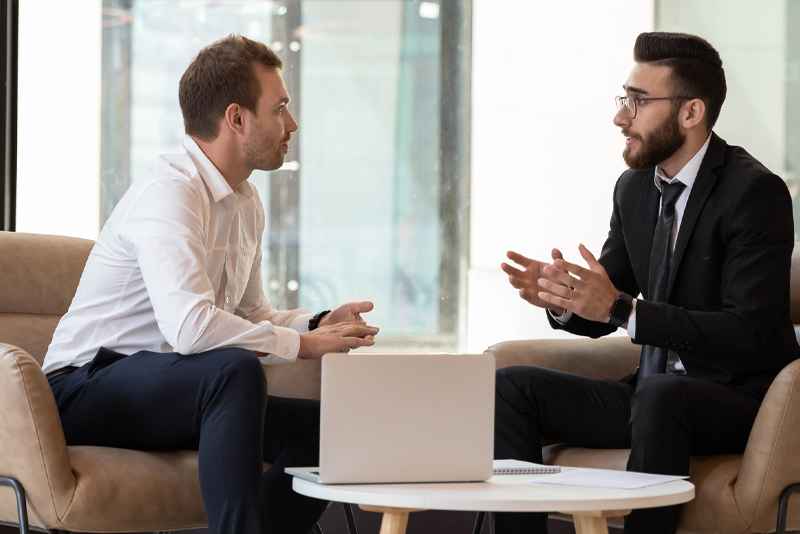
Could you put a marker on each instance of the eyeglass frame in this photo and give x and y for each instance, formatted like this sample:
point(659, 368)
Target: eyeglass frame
point(620, 100)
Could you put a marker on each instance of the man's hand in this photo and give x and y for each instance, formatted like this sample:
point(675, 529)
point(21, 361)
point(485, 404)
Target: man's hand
point(527, 280)
point(347, 313)
point(589, 293)
point(339, 337)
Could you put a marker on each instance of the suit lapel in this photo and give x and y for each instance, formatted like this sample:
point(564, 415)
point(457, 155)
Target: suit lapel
point(703, 185)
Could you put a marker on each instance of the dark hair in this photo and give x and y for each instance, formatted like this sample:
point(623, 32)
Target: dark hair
point(696, 67)
point(222, 74)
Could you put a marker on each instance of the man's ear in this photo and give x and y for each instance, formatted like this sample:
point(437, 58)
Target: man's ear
point(234, 119)
point(692, 113)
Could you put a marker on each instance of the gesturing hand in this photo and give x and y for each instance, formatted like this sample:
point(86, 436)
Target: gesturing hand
point(527, 280)
point(347, 313)
point(339, 337)
point(589, 293)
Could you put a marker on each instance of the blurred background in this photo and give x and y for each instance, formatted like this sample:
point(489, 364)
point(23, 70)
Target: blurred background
point(434, 136)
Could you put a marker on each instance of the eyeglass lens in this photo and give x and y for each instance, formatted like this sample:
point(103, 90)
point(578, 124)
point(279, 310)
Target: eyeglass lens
point(629, 103)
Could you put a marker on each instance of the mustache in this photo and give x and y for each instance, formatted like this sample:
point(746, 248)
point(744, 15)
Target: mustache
point(628, 133)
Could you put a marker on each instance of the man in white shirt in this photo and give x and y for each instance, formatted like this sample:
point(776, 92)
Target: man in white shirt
point(704, 233)
point(160, 348)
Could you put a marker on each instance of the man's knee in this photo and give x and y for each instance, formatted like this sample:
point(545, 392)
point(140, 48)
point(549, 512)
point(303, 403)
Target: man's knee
point(658, 397)
point(242, 367)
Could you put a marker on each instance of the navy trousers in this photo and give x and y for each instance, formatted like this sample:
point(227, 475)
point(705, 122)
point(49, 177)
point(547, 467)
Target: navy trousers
point(666, 420)
point(216, 403)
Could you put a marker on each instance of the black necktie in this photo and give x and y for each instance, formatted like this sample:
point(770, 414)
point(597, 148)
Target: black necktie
point(654, 359)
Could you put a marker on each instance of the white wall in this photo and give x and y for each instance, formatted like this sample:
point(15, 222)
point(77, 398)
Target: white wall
point(58, 184)
point(545, 153)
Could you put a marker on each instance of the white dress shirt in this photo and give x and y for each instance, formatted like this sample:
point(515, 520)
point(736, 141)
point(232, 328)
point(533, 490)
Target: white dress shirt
point(177, 268)
point(687, 175)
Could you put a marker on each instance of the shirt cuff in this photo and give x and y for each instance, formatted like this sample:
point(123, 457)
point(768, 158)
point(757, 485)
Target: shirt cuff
point(632, 323)
point(287, 346)
point(561, 319)
point(300, 323)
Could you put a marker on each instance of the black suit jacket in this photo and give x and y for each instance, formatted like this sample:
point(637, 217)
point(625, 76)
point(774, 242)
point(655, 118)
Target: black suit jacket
point(727, 309)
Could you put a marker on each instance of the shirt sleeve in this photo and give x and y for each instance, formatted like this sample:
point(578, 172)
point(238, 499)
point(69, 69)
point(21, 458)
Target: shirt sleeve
point(632, 324)
point(560, 319)
point(164, 228)
point(255, 306)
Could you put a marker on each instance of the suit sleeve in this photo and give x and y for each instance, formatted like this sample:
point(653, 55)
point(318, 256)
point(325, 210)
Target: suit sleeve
point(754, 283)
point(615, 260)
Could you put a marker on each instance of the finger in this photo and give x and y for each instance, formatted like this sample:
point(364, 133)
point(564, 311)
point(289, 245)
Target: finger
point(508, 269)
point(361, 307)
point(560, 290)
point(360, 330)
point(556, 301)
point(518, 258)
point(527, 295)
point(372, 338)
point(518, 283)
point(580, 272)
point(355, 342)
point(556, 254)
point(561, 277)
point(591, 261)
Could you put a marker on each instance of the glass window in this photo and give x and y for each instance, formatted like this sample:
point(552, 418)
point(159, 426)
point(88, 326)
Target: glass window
point(370, 203)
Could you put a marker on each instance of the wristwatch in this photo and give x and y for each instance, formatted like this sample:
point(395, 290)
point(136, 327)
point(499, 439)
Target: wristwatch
point(620, 310)
point(314, 322)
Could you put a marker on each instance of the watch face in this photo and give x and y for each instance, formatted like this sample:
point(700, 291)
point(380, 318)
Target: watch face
point(621, 310)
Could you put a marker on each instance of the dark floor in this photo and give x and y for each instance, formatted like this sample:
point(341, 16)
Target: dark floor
point(431, 522)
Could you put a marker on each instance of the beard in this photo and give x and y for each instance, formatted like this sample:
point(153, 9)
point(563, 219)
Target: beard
point(658, 146)
point(262, 150)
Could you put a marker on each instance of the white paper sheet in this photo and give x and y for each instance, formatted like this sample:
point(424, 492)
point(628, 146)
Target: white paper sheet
point(603, 478)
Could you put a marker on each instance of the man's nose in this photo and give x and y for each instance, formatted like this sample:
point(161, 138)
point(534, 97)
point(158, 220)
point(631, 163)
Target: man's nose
point(292, 125)
point(622, 119)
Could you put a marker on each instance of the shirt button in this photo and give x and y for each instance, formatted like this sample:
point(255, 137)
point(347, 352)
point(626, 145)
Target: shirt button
point(285, 352)
point(227, 299)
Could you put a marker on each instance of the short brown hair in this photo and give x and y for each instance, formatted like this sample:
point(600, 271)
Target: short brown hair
point(222, 74)
point(696, 67)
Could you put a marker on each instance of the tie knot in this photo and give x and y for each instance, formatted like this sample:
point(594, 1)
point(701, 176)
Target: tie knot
point(670, 192)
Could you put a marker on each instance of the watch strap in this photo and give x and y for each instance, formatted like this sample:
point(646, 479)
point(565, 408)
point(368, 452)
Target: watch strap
point(313, 323)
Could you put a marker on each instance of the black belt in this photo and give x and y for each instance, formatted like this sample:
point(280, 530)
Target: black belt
point(64, 370)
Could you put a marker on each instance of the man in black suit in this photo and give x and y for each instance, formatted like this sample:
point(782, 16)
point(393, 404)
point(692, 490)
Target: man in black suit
point(704, 233)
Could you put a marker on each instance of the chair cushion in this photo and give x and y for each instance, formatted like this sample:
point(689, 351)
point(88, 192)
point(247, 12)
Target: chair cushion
point(147, 491)
point(714, 507)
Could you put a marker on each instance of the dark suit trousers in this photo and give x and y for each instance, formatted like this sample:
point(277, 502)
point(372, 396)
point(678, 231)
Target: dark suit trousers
point(665, 421)
point(216, 403)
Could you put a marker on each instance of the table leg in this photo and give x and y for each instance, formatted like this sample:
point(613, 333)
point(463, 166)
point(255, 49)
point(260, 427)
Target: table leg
point(594, 522)
point(394, 521)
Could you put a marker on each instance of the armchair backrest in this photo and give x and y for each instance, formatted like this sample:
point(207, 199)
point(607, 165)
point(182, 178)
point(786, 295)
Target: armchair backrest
point(39, 275)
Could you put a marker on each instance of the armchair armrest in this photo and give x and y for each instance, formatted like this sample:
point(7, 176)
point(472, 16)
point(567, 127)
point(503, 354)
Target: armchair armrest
point(299, 380)
point(770, 461)
point(610, 357)
point(32, 445)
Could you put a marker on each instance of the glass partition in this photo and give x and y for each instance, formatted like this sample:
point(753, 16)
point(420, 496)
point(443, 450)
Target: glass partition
point(371, 202)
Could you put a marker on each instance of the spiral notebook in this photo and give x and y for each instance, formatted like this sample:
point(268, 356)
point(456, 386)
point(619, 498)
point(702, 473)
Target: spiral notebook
point(517, 467)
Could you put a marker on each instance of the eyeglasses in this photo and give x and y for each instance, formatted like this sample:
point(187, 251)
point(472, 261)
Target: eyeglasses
point(630, 102)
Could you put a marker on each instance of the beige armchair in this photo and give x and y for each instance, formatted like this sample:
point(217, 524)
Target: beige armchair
point(735, 494)
point(82, 489)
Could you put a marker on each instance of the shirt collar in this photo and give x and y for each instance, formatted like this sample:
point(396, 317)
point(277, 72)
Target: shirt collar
point(213, 179)
point(688, 173)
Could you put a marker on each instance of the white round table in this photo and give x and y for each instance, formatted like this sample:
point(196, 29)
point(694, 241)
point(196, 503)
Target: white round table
point(589, 506)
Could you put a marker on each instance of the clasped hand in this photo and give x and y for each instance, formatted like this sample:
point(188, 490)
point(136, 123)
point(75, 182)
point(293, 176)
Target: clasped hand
point(562, 285)
point(340, 330)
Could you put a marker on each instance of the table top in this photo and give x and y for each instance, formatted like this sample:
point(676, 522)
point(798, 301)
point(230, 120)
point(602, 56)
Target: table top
point(503, 493)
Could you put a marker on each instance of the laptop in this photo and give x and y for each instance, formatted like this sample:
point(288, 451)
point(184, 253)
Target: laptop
point(405, 418)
